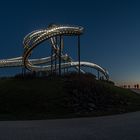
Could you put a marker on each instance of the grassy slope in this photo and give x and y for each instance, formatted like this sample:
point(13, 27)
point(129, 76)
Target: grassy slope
point(63, 97)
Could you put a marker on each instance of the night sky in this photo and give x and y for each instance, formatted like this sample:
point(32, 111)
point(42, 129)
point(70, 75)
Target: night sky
point(111, 38)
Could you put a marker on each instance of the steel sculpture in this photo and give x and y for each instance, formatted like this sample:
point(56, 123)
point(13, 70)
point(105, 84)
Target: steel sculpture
point(33, 39)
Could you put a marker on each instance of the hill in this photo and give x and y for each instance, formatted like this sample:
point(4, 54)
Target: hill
point(61, 97)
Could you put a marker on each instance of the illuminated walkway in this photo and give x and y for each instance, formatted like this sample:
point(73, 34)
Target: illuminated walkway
point(118, 127)
point(136, 90)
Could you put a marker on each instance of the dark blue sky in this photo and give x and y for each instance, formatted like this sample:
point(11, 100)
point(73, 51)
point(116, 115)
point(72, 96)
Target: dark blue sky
point(112, 31)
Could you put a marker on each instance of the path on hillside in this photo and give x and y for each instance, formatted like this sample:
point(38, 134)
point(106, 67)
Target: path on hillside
point(119, 127)
point(136, 90)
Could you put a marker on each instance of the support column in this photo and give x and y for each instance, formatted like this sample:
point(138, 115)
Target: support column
point(23, 67)
point(23, 71)
point(98, 75)
point(64, 68)
point(55, 54)
point(79, 57)
point(60, 47)
point(51, 60)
